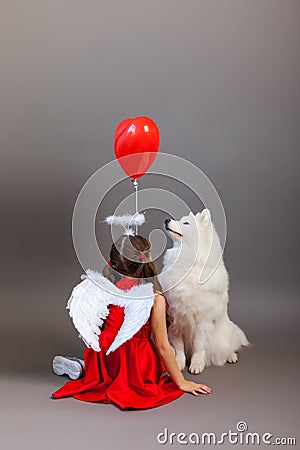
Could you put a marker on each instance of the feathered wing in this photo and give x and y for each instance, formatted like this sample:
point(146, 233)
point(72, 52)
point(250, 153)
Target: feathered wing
point(88, 308)
point(136, 313)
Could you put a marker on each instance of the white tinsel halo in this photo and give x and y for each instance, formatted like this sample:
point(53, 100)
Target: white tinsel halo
point(127, 221)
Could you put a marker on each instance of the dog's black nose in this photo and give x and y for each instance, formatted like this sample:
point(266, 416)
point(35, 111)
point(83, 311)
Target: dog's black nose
point(167, 221)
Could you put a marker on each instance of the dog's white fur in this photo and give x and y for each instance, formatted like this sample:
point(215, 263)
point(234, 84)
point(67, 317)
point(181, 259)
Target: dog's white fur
point(201, 331)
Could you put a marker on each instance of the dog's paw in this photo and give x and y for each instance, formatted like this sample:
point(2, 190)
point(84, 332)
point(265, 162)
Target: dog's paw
point(196, 367)
point(180, 359)
point(233, 358)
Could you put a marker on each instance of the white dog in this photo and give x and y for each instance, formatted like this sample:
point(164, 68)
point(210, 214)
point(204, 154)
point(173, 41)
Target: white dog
point(200, 331)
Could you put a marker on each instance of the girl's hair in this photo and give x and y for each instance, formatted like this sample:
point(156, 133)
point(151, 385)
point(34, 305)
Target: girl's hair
point(130, 257)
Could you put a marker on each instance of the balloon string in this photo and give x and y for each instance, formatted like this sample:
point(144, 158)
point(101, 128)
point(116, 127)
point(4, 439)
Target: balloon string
point(136, 185)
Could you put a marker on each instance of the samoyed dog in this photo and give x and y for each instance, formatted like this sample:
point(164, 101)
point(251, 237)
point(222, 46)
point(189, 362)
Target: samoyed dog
point(195, 282)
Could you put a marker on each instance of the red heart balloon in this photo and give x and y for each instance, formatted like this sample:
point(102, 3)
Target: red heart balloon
point(136, 143)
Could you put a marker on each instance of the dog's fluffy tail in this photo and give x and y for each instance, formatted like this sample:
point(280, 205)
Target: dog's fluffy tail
point(227, 338)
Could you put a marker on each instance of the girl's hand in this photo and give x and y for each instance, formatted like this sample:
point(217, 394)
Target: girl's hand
point(190, 386)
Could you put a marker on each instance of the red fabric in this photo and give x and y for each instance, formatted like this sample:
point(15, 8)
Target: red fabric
point(131, 377)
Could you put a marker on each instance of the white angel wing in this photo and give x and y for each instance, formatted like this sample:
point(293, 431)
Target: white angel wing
point(136, 313)
point(88, 307)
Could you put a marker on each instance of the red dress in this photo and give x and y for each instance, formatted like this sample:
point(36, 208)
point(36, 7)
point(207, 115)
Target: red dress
point(131, 377)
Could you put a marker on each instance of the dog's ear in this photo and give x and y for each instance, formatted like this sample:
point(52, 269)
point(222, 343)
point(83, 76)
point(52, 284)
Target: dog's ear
point(205, 216)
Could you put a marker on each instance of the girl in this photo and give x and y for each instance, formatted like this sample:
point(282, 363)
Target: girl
point(133, 376)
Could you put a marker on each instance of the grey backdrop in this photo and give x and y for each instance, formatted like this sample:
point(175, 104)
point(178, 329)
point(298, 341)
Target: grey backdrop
point(221, 80)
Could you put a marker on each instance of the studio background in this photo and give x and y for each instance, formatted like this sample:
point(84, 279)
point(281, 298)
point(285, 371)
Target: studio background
point(221, 80)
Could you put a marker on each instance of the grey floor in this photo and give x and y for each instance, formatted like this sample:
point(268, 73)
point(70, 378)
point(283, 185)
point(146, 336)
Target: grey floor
point(262, 389)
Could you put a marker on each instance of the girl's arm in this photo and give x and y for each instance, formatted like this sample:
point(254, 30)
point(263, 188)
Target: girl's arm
point(166, 352)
